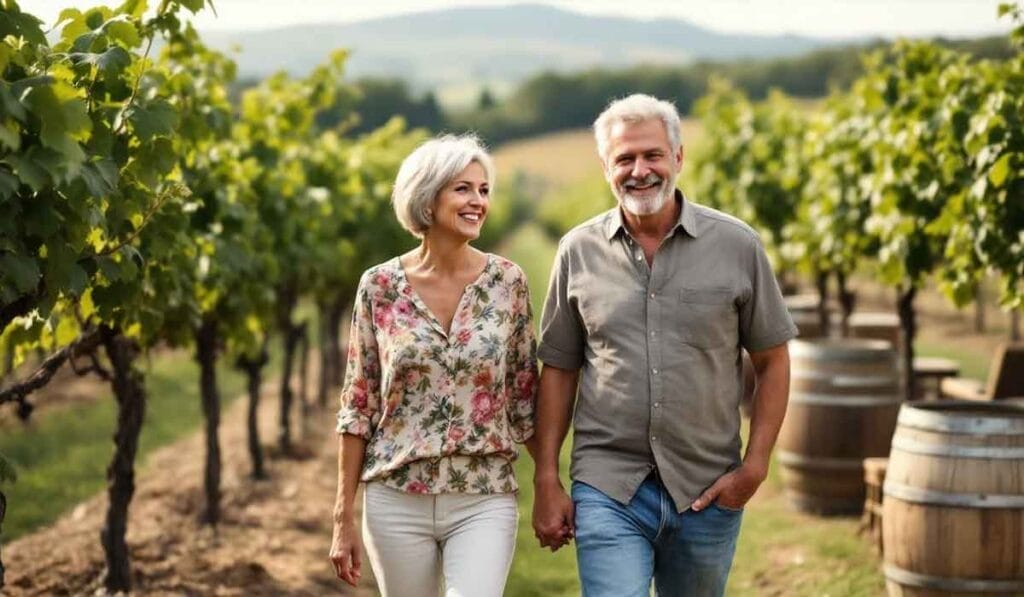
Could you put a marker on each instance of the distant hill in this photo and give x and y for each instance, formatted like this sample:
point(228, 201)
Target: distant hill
point(493, 45)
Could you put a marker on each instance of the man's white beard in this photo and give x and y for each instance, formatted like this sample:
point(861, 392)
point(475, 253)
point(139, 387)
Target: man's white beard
point(645, 206)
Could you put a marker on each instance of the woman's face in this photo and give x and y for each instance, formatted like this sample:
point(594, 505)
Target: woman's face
point(461, 205)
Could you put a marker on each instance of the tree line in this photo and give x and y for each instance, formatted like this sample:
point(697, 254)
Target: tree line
point(551, 101)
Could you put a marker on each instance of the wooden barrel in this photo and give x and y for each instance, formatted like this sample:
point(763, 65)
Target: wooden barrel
point(953, 510)
point(844, 399)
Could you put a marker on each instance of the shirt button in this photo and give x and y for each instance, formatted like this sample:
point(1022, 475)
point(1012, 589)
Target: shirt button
point(652, 295)
point(654, 370)
point(654, 438)
point(653, 334)
point(639, 256)
point(657, 405)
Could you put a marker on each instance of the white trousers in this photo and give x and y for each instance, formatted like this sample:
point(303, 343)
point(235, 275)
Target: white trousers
point(414, 542)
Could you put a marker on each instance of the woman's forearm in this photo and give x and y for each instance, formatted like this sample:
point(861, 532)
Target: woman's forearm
point(351, 450)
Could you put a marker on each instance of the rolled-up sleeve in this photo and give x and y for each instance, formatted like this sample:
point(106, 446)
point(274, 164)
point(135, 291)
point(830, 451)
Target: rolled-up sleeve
point(764, 320)
point(360, 395)
point(561, 333)
point(521, 376)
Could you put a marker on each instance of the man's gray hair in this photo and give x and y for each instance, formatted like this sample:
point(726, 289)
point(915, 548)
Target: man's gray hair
point(634, 109)
point(427, 170)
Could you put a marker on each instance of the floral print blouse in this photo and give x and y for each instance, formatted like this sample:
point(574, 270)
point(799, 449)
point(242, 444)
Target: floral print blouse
point(441, 412)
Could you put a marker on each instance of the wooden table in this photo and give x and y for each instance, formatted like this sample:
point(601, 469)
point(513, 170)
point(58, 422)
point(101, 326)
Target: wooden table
point(928, 375)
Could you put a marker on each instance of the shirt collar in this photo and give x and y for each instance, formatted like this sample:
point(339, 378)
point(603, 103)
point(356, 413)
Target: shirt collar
point(687, 219)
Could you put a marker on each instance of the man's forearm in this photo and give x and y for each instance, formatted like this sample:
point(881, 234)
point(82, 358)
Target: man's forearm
point(769, 405)
point(554, 413)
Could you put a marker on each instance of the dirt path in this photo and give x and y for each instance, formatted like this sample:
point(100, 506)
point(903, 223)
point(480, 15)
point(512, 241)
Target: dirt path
point(274, 538)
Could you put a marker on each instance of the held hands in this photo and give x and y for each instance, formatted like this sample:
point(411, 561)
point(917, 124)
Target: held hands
point(553, 513)
point(733, 489)
point(347, 552)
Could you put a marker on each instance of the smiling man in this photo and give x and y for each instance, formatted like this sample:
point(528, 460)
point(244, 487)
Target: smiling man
point(648, 309)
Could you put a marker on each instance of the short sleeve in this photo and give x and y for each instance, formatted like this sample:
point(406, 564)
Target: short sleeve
point(360, 394)
point(521, 376)
point(764, 320)
point(561, 332)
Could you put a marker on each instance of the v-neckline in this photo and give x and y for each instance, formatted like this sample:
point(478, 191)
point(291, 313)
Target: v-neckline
point(421, 304)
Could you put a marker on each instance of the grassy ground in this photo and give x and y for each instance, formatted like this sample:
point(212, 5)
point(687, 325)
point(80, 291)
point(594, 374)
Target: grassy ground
point(73, 445)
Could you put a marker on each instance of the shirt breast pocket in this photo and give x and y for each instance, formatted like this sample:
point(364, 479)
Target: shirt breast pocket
point(707, 317)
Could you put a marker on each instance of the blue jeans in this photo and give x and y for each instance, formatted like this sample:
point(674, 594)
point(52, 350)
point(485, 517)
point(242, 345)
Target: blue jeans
point(621, 548)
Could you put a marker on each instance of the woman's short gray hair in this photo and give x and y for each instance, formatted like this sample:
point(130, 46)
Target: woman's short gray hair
point(427, 170)
point(634, 109)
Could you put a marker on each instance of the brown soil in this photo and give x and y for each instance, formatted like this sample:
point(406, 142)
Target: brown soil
point(273, 540)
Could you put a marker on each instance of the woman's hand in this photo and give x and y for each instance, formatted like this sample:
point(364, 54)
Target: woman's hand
point(347, 544)
point(347, 552)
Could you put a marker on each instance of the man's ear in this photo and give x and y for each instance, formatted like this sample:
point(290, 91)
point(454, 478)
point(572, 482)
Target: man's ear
point(679, 156)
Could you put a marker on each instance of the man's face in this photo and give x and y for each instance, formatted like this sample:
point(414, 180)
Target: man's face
point(642, 166)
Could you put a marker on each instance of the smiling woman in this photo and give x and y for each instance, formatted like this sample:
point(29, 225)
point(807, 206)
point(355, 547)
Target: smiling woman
point(440, 387)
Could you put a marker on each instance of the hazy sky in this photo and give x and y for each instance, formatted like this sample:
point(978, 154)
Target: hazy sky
point(824, 18)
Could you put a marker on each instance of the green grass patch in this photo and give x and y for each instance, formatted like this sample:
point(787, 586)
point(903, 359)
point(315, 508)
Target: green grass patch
point(972, 363)
point(61, 457)
point(781, 551)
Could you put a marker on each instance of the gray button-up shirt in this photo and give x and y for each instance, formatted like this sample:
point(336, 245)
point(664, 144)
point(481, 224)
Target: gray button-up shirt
point(659, 347)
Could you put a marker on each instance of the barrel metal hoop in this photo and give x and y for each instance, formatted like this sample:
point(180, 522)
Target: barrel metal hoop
point(958, 585)
point(919, 418)
point(861, 381)
point(847, 401)
point(919, 495)
point(800, 460)
point(846, 380)
point(913, 446)
point(862, 350)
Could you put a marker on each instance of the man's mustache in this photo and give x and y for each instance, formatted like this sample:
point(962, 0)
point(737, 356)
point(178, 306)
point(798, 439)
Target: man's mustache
point(650, 179)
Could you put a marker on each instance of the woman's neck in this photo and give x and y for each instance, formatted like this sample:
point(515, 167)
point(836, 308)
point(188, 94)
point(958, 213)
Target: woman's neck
point(441, 255)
